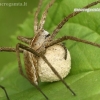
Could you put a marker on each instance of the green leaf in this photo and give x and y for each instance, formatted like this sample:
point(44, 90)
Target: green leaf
point(84, 77)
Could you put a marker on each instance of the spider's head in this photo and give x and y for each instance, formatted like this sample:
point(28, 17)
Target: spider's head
point(46, 34)
point(39, 39)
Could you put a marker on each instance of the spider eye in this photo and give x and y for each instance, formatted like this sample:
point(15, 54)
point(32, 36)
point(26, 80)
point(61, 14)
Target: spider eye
point(47, 36)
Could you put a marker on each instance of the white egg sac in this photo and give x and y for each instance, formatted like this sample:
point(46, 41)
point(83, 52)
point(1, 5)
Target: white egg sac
point(56, 56)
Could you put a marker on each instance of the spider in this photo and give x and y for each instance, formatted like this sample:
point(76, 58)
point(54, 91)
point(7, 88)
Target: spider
point(36, 54)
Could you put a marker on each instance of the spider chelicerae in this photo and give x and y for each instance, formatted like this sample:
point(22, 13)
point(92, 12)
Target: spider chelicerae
point(39, 45)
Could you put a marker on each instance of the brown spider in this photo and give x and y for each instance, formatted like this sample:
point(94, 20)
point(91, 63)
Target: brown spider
point(38, 46)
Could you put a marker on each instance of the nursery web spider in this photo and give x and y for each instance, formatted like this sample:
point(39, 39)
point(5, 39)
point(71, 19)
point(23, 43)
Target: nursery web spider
point(39, 44)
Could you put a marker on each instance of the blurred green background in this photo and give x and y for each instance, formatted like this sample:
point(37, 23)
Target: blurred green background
point(10, 18)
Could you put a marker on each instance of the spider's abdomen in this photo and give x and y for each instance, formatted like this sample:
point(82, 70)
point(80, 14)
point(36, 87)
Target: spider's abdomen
point(56, 56)
point(31, 68)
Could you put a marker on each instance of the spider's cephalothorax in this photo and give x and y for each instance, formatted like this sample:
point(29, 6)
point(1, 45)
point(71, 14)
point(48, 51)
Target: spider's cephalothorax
point(45, 58)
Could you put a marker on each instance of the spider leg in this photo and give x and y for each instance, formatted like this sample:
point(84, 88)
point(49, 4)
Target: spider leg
point(65, 50)
point(42, 21)
point(72, 38)
point(24, 39)
point(60, 25)
point(9, 49)
point(5, 92)
point(36, 17)
point(19, 45)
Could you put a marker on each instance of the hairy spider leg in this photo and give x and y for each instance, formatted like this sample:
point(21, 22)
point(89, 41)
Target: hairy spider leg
point(73, 39)
point(5, 92)
point(7, 49)
point(60, 25)
point(10, 49)
point(24, 39)
point(44, 15)
point(36, 17)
